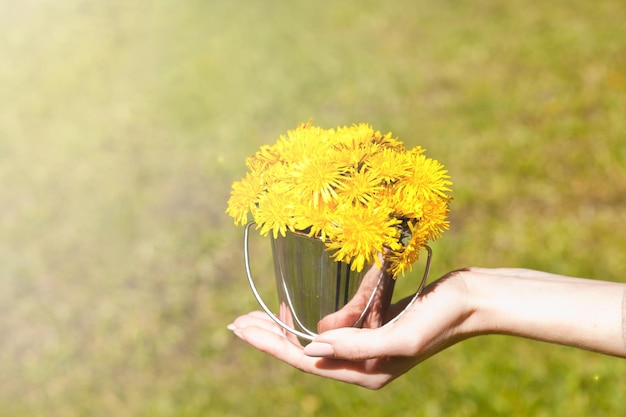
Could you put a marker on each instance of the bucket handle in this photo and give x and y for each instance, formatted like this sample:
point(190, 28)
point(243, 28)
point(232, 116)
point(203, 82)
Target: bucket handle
point(246, 257)
point(311, 336)
point(429, 251)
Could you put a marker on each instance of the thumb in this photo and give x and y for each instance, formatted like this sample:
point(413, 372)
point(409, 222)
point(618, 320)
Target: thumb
point(346, 317)
point(354, 344)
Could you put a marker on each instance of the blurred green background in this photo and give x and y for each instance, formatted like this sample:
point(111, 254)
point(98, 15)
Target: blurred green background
point(124, 123)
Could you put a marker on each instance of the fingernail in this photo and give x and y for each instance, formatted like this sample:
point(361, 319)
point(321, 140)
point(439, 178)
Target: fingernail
point(235, 330)
point(319, 349)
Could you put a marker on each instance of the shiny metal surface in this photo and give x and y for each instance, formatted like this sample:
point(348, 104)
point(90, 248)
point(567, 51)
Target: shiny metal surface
point(309, 282)
point(311, 286)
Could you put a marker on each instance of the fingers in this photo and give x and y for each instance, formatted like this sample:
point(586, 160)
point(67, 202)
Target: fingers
point(346, 317)
point(359, 344)
point(255, 318)
point(374, 295)
point(347, 343)
point(351, 344)
point(261, 332)
point(265, 335)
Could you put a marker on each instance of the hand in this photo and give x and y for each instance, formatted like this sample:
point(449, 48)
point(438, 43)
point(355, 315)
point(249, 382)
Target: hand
point(582, 313)
point(356, 312)
point(368, 357)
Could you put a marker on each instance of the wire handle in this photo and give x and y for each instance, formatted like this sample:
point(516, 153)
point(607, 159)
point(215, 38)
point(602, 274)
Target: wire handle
point(246, 257)
point(310, 335)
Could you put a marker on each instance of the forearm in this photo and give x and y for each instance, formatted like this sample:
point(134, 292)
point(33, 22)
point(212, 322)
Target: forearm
point(570, 311)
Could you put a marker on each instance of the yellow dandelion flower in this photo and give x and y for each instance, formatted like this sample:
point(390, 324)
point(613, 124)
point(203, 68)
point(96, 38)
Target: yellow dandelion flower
point(352, 158)
point(406, 205)
point(427, 177)
point(363, 193)
point(244, 195)
point(360, 186)
point(388, 141)
point(302, 142)
point(434, 219)
point(267, 155)
point(271, 214)
point(314, 221)
point(401, 260)
point(318, 178)
point(354, 137)
point(359, 234)
point(390, 164)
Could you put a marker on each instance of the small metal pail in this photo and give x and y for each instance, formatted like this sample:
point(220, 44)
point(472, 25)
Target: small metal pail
point(311, 286)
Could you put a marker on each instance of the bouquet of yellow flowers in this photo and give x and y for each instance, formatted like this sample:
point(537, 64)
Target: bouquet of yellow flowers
point(361, 192)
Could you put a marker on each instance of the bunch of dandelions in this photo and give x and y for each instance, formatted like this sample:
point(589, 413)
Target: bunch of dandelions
point(361, 192)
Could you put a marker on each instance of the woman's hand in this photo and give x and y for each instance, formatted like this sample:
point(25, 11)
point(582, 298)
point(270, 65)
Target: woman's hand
point(368, 357)
point(576, 312)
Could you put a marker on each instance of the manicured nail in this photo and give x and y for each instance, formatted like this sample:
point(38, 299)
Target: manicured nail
point(319, 349)
point(235, 330)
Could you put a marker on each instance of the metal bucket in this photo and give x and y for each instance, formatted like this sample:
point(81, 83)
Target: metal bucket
point(311, 286)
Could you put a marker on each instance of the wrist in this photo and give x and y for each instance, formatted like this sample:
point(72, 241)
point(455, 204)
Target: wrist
point(479, 317)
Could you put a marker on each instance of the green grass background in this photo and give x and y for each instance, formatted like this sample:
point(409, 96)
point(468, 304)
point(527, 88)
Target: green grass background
point(123, 125)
